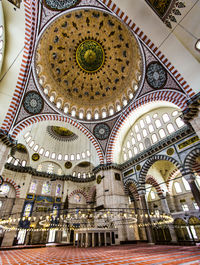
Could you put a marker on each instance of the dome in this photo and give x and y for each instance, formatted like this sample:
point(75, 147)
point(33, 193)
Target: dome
point(88, 61)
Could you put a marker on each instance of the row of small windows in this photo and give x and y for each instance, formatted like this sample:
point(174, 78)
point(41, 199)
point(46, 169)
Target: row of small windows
point(53, 155)
point(146, 130)
point(16, 162)
point(82, 174)
point(46, 188)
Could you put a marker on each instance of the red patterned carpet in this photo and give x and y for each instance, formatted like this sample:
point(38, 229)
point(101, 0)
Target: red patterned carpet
point(115, 255)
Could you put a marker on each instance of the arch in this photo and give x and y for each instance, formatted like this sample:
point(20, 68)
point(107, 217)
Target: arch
point(131, 185)
point(91, 194)
point(170, 179)
point(141, 35)
point(56, 117)
point(30, 9)
point(190, 164)
point(152, 181)
point(174, 97)
point(151, 161)
point(79, 191)
point(15, 186)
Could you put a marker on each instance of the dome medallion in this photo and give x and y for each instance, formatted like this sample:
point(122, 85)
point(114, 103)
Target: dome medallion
point(90, 56)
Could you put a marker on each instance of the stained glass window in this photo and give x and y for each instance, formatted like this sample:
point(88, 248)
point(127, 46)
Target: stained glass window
point(33, 186)
point(46, 188)
point(27, 210)
point(58, 190)
point(77, 197)
point(4, 189)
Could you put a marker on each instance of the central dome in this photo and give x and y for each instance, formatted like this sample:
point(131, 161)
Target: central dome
point(88, 61)
point(90, 56)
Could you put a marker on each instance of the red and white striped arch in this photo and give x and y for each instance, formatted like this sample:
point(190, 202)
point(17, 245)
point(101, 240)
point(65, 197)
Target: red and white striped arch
point(55, 117)
point(112, 6)
point(175, 97)
point(15, 186)
point(30, 9)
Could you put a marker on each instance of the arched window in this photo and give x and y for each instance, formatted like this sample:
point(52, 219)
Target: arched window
point(177, 187)
point(154, 138)
point(24, 163)
point(46, 188)
point(128, 144)
point(59, 157)
point(83, 155)
point(153, 196)
point(158, 124)
point(148, 119)
point(78, 156)
point(151, 129)
point(141, 146)
point(179, 122)
point(175, 113)
point(144, 133)
point(4, 189)
point(72, 157)
point(139, 137)
point(165, 118)
point(130, 153)
point(53, 155)
point(58, 190)
point(46, 154)
point(66, 157)
point(41, 151)
point(162, 133)
point(31, 144)
point(36, 147)
point(135, 150)
point(170, 128)
point(27, 210)
point(33, 186)
point(125, 157)
point(142, 124)
point(136, 128)
point(133, 140)
point(186, 184)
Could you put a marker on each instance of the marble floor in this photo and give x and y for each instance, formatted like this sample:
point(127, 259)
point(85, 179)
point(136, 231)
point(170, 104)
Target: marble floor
point(113, 255)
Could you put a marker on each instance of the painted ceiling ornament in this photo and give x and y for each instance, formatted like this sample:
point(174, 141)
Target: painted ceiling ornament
point(59, 5)
point(156, 75)
point(35, 157)
point(61, 133)
point(90, 60)
point(90, 56)
point(167, 10)
point(101, 131)
point(68, 165)
point(33, 102)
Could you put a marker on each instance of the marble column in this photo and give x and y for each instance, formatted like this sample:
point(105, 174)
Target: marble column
point(170, 202)
point(105, 243)
point(139, 212)
point(194, 189)
point(93, 240)
point(86, 240)
point(146, 219)
point(166, 210)
point(99, 238)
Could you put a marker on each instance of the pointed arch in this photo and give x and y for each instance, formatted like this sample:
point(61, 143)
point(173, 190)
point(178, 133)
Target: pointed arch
point(190, 163)
point(79, 191)
point(131, 185)
point(56, 117)
point(152, 181)
point(15, 186)
point(151, 161)
point(31, 12)
point(174, 97)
